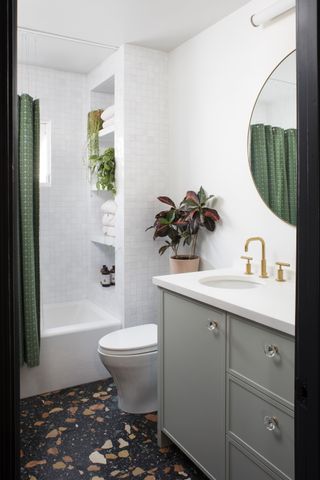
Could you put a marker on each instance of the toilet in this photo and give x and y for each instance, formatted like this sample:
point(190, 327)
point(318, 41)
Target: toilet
point(130, 355)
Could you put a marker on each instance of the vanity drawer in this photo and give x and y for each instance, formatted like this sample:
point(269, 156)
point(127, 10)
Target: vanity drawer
point(243, 466)
point(248, 358)
point(265, 427)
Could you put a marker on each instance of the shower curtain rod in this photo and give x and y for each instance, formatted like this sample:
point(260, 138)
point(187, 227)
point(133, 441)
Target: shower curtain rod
point(64, 37)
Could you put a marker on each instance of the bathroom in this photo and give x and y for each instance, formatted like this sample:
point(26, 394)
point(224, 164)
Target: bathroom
point(128, 118)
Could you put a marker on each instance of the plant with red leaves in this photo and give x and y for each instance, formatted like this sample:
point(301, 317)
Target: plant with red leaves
point(182, 224)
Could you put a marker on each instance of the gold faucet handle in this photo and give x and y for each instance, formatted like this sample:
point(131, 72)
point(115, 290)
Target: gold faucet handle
point(248, 264)
point(280, 277)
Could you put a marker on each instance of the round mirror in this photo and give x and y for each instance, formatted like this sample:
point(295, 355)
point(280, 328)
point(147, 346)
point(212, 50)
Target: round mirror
point(273, 141)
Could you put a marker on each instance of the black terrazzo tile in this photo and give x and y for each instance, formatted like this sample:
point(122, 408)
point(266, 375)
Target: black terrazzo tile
point(65, 434)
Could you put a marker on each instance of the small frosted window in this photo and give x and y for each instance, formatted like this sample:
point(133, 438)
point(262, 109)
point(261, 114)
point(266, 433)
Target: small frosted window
point(45, 153)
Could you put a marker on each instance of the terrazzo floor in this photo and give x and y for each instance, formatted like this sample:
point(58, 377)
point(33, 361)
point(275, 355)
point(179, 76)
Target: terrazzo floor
point(79, 433)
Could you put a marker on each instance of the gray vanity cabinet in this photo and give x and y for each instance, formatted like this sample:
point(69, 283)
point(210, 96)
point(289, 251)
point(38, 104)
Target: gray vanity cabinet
point(192, 361)
point(226, 391)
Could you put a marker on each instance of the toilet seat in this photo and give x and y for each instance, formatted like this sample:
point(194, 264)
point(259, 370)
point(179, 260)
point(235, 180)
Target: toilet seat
point(130, 341)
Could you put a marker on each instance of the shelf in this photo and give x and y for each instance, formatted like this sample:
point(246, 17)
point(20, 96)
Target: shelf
point(93, 185)
point(95, 189)
point(106, 137)
point(106, 131)
point(104, 240)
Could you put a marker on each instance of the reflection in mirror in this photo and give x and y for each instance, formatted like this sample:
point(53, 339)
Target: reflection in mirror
point(273, 141)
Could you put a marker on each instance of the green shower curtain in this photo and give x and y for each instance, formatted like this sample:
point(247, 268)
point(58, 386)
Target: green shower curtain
point(29, 160)
point(274, 168)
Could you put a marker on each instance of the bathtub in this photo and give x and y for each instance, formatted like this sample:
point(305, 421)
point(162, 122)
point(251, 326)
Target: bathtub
point(69, 338)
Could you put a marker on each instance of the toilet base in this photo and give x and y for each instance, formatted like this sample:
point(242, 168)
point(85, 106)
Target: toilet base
point(135, 377)
point(137, 409)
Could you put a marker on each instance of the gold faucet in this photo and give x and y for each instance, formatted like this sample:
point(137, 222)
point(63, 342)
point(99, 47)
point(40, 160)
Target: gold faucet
point(263, 273)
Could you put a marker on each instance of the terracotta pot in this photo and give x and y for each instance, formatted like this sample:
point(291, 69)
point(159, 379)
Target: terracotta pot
point(184, 264)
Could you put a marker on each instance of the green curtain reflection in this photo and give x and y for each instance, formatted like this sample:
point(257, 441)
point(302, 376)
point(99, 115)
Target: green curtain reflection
point(274, 168)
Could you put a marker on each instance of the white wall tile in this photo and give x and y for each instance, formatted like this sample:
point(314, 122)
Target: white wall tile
point(63, 205)
point(145, 176)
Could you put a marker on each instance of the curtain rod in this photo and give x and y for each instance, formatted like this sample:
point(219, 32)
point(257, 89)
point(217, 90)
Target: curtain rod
point(64, 37)
point(271, 12)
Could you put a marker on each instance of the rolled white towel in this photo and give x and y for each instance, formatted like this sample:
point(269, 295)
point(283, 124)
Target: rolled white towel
point(109, 206)
point(109, 231)
point(108, 123)
point(108, 219)
point(108, 113)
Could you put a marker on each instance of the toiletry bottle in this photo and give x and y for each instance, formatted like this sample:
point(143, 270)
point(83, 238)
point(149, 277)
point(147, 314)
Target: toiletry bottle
point(113, 275)
point(105, 276)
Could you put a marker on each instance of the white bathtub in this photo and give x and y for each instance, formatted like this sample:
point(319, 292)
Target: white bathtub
point(69, 338)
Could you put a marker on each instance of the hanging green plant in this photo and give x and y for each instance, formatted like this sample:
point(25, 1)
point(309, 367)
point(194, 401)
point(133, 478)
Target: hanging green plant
point(94, 125)
point(104, 167)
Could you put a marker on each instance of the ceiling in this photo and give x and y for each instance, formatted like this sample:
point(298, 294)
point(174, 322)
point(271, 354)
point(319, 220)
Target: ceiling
point(159, 24)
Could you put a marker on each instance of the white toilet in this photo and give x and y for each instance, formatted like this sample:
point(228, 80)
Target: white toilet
point(130, 355)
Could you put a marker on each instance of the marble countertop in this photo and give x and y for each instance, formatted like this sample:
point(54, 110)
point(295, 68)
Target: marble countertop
point(271, 304)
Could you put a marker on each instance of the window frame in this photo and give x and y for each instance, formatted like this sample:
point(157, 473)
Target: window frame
point(48, 128)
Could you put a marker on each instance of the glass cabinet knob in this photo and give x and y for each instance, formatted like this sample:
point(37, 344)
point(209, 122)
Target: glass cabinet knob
point(271, 351)
point(271, 423)
point(212, 326)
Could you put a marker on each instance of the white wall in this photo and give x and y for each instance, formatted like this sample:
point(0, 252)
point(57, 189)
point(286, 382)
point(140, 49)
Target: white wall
point(214, 80)
point(64, 253)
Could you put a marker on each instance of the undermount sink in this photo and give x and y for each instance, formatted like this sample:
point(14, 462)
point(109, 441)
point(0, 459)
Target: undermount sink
point(230, 282)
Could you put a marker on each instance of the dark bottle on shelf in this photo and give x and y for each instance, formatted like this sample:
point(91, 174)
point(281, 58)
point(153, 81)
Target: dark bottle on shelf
point(105, 276)
point(113, 275)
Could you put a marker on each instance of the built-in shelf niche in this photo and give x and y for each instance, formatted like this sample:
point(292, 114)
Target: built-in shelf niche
point(102, 97)
point(103, 246)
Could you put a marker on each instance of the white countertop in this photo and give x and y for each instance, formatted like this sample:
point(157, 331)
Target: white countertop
point(272, 303)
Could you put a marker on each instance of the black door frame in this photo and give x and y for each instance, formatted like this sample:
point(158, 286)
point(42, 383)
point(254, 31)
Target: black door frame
point(307, 411)
point(307, 419)
point(9, 355)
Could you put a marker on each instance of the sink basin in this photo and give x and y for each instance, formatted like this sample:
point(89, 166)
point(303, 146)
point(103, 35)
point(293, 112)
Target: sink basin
point(230, 282)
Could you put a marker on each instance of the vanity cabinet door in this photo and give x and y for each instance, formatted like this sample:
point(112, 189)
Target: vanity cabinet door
point(243, 467)
point(193, 370)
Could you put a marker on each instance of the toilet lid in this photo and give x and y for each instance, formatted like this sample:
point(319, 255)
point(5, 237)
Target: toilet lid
point(130, 341)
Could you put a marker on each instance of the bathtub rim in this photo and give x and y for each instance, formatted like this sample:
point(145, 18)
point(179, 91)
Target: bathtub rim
point(107, 320)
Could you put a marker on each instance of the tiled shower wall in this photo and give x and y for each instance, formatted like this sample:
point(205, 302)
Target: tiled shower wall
point(145, 177)
point(69, 261)
point(64, 205)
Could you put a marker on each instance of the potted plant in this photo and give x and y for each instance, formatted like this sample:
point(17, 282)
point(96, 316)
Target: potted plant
point(181, 225)
point(104, 167)
point(94, 126)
